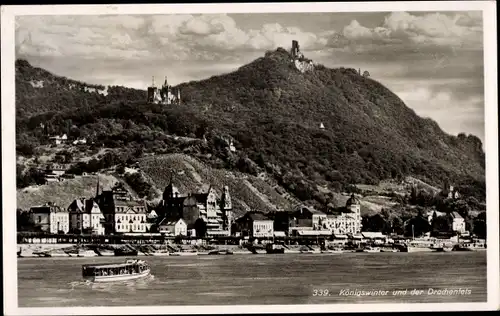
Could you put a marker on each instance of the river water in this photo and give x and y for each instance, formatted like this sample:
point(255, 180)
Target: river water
point(260, 279)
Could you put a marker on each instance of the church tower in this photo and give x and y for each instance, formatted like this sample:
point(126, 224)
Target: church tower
point(227, 209)
point(353, 204)
point(165, 91)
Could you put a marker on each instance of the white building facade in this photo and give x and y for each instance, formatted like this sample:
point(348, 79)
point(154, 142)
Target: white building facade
point(263, 228)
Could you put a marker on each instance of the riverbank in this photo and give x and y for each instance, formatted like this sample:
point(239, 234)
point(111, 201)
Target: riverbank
point(91, 250)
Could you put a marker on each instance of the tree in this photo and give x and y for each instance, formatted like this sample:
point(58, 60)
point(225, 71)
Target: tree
point(417, 226)
point(479, 225)
point(201, 228)
point(441, 224)
point(397, 225)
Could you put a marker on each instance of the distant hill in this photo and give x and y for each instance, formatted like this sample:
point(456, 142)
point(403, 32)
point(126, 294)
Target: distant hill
point(272, 112)
point(63, 193)
point(39, 91)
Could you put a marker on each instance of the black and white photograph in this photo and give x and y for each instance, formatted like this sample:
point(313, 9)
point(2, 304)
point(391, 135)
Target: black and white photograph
point(271, 157)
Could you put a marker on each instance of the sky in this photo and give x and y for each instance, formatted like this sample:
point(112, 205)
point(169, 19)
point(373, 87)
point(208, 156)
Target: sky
point(432, 60)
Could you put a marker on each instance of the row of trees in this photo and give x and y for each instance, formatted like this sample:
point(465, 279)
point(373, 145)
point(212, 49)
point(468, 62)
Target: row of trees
point(419, 224)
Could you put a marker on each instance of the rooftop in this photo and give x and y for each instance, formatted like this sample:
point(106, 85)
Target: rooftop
point(456, 215)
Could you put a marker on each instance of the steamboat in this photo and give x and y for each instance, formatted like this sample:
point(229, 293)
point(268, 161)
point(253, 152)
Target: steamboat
point(129, 270)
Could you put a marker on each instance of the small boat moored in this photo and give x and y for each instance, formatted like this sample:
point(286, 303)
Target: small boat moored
point(129, 270)
point(275, 248)
point(371, 249)
point(126, 252)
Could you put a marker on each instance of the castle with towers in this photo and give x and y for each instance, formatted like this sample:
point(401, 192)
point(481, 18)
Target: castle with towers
point(163, 95)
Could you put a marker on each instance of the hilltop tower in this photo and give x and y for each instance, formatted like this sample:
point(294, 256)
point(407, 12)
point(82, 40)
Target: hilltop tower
point(164, 92)
point(152, 92)
point(295, 49)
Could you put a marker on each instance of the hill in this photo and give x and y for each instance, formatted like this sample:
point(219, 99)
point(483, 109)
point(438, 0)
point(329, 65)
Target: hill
point(272, 112)
point(63, 193)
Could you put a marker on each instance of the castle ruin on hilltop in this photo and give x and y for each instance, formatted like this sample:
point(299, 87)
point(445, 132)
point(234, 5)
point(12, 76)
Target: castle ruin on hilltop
point(301, 63)
point(163, 95)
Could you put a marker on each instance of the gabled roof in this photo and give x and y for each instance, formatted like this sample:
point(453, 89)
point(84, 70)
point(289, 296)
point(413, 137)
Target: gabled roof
point(45, 209)
point(373, 235)
point(456, 215)
point(309, 209)
point(256, 216)
point(169, 222)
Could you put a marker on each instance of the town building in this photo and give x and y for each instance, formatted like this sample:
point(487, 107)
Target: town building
point(173, 228)
point(256, 225)
point(450, 192)
point(123, 214)
point(375, 237)
point(345, 220)
point(85, 216)
point(306, 220)
point(58, 140)
point(80, 141)
point(50, 218)
point(457, 222)
point(342, 222)
point(203, 212)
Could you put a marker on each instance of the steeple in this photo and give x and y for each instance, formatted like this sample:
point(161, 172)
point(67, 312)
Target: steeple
point(165, 84)
point(169, 190)
point(153, 82)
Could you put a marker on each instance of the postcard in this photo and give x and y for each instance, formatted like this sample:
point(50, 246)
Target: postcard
point(250, 158)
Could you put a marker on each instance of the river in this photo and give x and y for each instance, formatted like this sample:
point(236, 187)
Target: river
point(260, 279)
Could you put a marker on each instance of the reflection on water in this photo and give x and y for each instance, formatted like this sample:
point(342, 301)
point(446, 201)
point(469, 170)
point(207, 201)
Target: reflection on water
point(257, 279)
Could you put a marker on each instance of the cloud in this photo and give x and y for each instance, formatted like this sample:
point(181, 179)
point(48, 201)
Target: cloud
point(422, 32)
point(176, 37)
point(454, 114)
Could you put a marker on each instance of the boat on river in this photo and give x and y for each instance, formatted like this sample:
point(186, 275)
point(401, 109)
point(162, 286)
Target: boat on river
point(81, 253)
point(57, 253)
point(371, 249)
point(105, 252)
point(129, 270)
point(184, 253)
point(125, 252)
point(274, 248)
point(389, 249)
point(221, 252)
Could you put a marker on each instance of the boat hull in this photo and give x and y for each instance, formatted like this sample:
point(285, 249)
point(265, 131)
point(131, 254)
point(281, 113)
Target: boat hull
point(275, 251)
point(419, 249)
point(184, 254)
point(58, 254)
point(87, 254)
point(117, 278)
point(160, 254)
